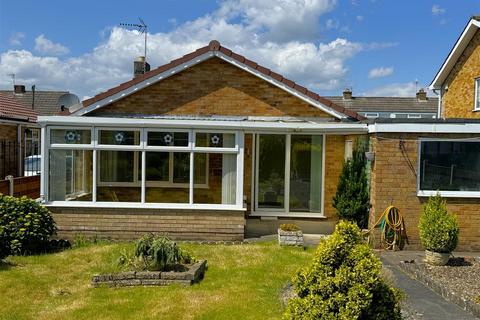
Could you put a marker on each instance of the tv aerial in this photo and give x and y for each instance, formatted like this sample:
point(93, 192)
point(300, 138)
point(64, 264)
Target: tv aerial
point(143, 29)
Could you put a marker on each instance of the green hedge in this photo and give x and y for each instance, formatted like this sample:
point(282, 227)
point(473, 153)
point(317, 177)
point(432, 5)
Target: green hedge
point(343, 282)
point(25, 225)
point(438, 229)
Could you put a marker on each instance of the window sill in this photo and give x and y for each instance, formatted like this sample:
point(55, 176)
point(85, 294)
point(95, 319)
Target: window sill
point(288, 215)
point(449, 194)
point(138, 205)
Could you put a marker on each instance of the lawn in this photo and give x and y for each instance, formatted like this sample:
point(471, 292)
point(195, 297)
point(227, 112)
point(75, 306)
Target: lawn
point(242, 282)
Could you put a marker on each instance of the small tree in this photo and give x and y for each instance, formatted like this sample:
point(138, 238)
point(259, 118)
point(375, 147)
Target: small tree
point(352, 199)
point(343, 282)
point(438, 229)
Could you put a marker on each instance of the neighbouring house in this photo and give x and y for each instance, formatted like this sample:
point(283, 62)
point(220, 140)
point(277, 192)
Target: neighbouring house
point(213, 146)
point(19, 135)
point(415, 159)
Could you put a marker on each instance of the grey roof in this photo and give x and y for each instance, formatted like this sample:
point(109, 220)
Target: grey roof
point(387, 104)
point(46, 102)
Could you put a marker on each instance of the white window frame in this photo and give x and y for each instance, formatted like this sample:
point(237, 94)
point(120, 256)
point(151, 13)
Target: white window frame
point(285, 211)
point(444, 193)
point(142, 148)
point(372, 115)
point(476, 106)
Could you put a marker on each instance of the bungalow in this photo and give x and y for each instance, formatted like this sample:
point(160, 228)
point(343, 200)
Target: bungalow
point(213, 146)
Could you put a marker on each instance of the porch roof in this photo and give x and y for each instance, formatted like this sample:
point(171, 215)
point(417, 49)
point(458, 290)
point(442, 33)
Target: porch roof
point(229, 123)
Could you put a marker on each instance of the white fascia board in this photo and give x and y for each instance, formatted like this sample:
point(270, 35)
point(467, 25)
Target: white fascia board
point(282, 86)
point(424, 128)
point(455, 54)
point(203, 124)
point(201, 58)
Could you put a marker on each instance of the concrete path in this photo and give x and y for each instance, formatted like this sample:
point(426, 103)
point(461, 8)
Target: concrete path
point(421, 302)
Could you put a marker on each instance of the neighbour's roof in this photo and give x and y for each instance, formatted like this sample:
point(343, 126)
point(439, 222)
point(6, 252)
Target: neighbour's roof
point(462, 42)
point(387, 104)
point(11, 109)
point(226, 54)
point(46, 102)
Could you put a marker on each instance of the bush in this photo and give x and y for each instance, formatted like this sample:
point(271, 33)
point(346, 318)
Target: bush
point(352, 199)
point(156, 253)
point(25, 224)
point(4, 247)
point(289, 227)
point(343, 282)
point(438, 229)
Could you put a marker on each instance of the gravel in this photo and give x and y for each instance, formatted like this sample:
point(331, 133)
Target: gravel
point(460, 275)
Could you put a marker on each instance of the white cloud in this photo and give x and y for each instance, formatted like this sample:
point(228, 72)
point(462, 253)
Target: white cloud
point(246, 27)
point(46, 46)
point(437, 10)
point(380, 72)
point(407, 89)
point(16, 38)
point(360, 18)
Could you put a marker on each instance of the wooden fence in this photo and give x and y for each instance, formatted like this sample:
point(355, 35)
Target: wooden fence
point(22, 186)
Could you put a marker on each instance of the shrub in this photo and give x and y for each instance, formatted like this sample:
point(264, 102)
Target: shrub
point(289, 227)
point(4, 247)
point(156, 253)
point(25, 224)
point(438, 229)
point(352, 197)
point(343, 282)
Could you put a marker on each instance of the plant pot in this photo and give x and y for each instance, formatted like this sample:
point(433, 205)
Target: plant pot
point(436, 258)
point(290, 238)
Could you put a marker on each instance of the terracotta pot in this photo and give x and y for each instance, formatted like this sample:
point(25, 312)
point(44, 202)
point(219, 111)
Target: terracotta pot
point(436, 258)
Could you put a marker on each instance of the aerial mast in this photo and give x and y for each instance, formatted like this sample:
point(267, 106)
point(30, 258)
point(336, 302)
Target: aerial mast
point(143, 29)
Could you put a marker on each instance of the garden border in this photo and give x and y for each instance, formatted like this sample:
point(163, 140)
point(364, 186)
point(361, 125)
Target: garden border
point(152, 278)
point(415, 270)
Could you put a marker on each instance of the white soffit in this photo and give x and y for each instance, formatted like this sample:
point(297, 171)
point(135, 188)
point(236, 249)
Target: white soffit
point(455, 53)
point(154, 79)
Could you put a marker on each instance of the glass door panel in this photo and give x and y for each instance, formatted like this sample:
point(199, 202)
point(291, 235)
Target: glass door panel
point(271, 171)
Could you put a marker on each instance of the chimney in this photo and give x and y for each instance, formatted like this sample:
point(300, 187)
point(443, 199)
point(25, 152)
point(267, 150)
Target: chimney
point(18, 89)
point(347, 94)
point(421, 95)
point(138, 67)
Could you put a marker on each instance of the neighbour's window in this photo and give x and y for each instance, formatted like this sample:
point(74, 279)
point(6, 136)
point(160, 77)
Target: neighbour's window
point(477, 94)
point(450, 166)
point(371, 115)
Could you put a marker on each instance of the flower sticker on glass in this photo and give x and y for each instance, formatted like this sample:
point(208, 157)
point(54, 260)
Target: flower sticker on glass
point(215, 139)
point(72, 136)
point(168, 139)
point(119, 137)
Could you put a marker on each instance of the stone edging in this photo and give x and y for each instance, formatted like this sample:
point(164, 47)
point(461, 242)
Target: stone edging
point(151, 278)
point(417, 273)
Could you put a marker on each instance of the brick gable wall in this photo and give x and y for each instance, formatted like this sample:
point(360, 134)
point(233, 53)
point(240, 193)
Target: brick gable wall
point(213, 87)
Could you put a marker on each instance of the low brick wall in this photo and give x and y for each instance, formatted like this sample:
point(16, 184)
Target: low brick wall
point(130, 224)
point(22, 186)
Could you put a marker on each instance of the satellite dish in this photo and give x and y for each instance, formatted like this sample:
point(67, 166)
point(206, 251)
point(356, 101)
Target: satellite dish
point(67, 100)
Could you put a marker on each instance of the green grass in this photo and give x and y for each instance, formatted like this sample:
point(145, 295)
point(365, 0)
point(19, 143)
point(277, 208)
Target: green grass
point(242, 282)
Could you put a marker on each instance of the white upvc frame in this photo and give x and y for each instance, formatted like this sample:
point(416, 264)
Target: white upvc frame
point(444, 193)
point(476, 106)
point(142, 148)
point(285, 211)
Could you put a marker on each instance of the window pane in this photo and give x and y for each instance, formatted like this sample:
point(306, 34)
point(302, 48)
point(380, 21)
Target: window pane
point(177, 139)
point(181, 167)
point(70, 174)
point(215, 140)
point(271, 171)
point(222, 172)
point(70, 136)
point(116, 176)
point(450, 166)
point(159, 187)
point(119, 137)
point(305, 173)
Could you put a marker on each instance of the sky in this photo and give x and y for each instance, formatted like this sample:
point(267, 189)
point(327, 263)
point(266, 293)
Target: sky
point(374, 47)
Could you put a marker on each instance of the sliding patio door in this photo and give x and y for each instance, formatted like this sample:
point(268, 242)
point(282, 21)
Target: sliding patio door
point(289, 173)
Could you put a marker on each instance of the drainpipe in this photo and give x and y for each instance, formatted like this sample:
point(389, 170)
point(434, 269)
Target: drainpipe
point(439, 107)
point(19, 145)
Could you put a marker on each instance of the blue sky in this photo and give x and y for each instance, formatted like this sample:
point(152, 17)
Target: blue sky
point(377, 47)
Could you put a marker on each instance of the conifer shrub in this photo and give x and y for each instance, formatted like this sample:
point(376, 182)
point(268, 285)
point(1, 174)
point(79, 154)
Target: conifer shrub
point(438, 229)
point(352, 199)
point(343, 282)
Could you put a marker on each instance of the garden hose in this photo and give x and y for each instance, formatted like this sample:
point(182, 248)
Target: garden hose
point(392, 226)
